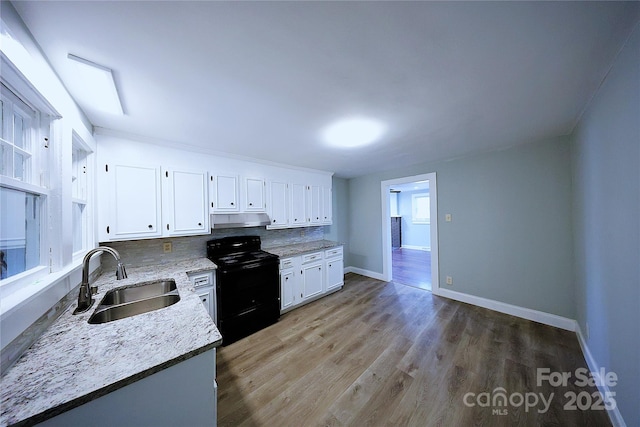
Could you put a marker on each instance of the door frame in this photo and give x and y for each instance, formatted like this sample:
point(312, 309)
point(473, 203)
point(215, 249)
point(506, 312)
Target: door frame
point(385, 186)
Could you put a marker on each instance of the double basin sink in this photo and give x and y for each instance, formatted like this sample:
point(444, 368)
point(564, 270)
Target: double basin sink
point(136, 299)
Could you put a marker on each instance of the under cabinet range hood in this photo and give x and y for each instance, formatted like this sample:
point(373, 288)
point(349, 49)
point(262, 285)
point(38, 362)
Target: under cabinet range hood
point(239, 220)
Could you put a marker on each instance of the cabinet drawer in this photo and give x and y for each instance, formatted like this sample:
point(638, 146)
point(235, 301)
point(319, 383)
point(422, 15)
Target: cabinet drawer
point(286, 263)
point(311, 257)
point(201, 279)
point(333, 252)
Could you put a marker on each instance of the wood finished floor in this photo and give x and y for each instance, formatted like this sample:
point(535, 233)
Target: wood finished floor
point(411, 267)
point(381, 353)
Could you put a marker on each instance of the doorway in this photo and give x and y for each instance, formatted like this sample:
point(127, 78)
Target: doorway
point(409, 230)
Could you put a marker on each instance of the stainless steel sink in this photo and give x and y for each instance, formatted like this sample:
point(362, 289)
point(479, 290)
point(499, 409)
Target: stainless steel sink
point(116, 312)
point(138, 292)
point(135, 299)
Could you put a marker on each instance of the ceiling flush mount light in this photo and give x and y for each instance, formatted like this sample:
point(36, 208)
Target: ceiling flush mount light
point(353, 133)
point(96, 88)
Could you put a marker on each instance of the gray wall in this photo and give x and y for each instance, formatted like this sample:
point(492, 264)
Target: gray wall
point(412, 234)
point(606, 183)
point(510, 238)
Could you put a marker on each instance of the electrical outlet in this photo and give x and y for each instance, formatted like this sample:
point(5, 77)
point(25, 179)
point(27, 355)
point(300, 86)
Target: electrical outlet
point(166, 247)
point(449, 280)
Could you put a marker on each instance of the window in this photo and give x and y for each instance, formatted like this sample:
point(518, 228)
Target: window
point(17, 137)
point(420, 208)
point(22, 199)
point(79, 196)
point(19, 232)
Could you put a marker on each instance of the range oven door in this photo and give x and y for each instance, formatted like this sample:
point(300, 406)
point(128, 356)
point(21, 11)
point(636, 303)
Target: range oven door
point(248, 299)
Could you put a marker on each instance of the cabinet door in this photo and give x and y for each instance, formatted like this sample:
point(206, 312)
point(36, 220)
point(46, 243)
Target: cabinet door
point(278, 204)
point(185, 203)
point(135, 202)
point(314, 200)
point(298, 205)
point(287, 289)
point(225, 193)
point(206, 295)
point(327, 206)
point(254, 195)
point(335, 273)
point(312, 280)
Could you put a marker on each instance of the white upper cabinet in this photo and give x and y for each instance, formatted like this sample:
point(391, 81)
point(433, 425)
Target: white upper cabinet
point(298, 205)
point(134, 203)
point(327, 206)
point(224, 193)
point(185, 210)
point(139, 199)
point(147, 202)
point(314, 204)
point(278, 204)
point(305, 204)
point(254, 192)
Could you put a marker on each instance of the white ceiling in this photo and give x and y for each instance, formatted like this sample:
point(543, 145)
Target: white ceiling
point(262, 79)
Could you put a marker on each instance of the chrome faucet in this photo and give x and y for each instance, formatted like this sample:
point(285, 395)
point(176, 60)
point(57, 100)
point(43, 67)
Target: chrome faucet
point(85, 298)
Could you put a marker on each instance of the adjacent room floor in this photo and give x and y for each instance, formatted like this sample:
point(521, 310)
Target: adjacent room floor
point(412, 267)
point(381, 353)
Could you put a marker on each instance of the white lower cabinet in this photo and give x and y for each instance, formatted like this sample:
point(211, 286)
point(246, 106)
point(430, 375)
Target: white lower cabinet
point(335, 273)
point(290, 283)
point(204, 282)
point(288, 289)
point(207, 296)
point(334, 268)
point(312, 275)
point(184, 394)
point(307, 277)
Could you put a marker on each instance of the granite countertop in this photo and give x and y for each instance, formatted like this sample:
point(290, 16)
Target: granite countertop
point(301, 248)
point(74, 362)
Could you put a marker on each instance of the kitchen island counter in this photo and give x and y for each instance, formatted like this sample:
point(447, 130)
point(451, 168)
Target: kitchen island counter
point(75, 362)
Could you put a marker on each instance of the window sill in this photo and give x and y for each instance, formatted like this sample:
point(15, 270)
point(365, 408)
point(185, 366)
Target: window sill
point(29, 290)
point(21, 309)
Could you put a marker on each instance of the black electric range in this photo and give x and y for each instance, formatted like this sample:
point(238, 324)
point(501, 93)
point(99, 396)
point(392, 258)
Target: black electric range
point(247, 286)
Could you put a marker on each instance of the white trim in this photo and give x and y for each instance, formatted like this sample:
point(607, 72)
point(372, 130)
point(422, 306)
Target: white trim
point(18, 83)
point(13, 243)
point(16, 184)
point(514, 310)
point(417, 248)
point(614, 414)
point(363, 272)
point(385, 186)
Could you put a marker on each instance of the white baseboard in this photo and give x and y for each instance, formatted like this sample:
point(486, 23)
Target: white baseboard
point(514, 310)
point(363, 272)
point(614, 414)
point(417, 248)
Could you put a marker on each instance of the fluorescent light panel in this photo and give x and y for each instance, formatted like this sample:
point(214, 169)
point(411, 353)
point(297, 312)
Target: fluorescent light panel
point(355, 132)
point(96, 87)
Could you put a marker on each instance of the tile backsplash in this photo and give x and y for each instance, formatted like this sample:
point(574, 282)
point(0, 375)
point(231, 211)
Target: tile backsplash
point(151, 252)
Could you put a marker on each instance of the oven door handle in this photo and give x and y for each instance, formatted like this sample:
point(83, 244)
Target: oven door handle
point(252, 265)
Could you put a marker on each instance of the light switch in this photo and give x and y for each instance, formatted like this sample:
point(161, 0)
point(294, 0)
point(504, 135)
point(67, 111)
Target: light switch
point(447, 217)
